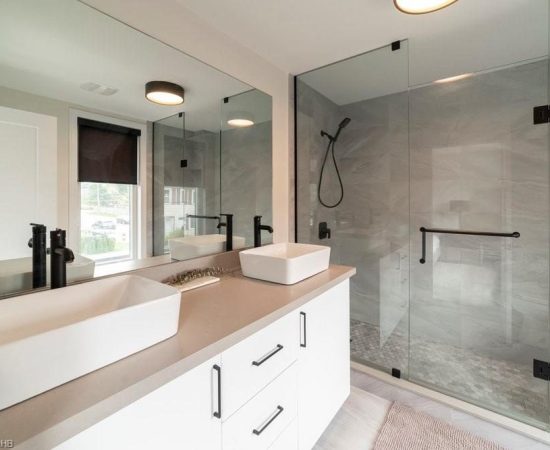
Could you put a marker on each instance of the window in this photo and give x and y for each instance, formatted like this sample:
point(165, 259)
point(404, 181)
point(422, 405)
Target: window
point(106, 177)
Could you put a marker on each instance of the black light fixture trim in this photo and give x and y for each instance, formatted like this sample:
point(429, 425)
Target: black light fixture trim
point(164, 87)
point(395, 2)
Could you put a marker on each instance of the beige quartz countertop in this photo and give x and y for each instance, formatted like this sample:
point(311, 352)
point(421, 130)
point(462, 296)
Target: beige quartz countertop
point(212, 319)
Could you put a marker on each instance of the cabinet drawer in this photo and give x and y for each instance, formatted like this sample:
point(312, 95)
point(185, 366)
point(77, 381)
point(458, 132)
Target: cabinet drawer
point(255, 362)
point(288, 439)
point(258, 424)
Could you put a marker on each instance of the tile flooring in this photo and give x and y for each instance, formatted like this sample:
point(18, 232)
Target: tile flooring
point(358, 422)
point(502, 386)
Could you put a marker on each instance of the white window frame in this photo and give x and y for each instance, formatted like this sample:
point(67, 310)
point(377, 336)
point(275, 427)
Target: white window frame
point(138, 207)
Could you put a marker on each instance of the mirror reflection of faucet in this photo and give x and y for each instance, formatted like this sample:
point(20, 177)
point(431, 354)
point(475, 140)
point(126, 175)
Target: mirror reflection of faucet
point(38, 245)
point(258, 227)
point(60, 255)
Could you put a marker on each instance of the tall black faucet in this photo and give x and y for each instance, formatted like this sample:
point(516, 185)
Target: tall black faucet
point(258, 227)
point(60, 255)
point(38, 245)
point(228, 224)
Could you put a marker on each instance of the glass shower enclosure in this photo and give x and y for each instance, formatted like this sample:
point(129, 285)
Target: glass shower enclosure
point(461, 307)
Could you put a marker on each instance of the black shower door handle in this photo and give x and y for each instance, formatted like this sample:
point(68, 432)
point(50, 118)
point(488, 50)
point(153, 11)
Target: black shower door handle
point(424, 230)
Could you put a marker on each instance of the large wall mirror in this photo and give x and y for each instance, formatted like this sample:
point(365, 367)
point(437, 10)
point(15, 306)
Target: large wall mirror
point(133, 182)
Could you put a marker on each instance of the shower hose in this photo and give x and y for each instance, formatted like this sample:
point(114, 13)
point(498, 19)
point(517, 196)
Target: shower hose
point(330, 149)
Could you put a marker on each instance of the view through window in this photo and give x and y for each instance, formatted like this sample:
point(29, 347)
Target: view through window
point(106, 221)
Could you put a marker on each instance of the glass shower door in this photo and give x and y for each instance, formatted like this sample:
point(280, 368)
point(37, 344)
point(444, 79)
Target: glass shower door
point(370, 226)
point(479, 303)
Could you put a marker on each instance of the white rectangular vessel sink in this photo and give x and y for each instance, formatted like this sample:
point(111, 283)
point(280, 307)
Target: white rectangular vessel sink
point(51, 337)
point(286, 263)
point(207, 244)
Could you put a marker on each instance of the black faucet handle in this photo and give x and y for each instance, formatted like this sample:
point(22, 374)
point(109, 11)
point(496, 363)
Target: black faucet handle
point(324, 231)
point(69, 255)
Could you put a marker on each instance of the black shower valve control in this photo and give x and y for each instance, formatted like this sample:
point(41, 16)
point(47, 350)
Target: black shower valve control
point(324, 231)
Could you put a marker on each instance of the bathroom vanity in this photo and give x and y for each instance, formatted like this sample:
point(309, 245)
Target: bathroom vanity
point(254, 365)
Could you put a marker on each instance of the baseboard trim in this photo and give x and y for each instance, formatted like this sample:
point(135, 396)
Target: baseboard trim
point(485, 414)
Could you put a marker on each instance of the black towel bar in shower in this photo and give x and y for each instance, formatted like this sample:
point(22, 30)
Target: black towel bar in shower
point(423, 230)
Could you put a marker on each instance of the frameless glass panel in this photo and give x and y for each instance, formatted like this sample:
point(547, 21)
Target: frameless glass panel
point(168, 154)
point(186, 184)
point(479, 304)
point(368, 213)
point(246, 163)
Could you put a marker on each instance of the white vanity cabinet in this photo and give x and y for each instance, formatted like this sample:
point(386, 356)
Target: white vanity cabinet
point(324, 362)
point(178, 415)
point(276, 389)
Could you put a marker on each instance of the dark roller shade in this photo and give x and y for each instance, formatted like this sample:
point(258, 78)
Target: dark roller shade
point(107, 153)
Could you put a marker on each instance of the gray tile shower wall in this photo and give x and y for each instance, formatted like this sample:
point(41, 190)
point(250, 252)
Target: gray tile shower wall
point(370, 227)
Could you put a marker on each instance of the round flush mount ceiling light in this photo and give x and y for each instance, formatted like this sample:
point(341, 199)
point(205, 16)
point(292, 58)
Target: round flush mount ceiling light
point(240, 119)
point(164, 93)
point(421, 6)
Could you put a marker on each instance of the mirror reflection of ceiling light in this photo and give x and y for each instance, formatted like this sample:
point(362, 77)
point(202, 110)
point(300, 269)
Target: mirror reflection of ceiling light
point(164, 93)
point(240, 119)
point(421, 6)
point(455, 78)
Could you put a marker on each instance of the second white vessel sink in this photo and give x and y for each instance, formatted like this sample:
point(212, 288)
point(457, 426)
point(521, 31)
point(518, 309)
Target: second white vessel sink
point(286, 263)
point(51, 337)
point(207, 244)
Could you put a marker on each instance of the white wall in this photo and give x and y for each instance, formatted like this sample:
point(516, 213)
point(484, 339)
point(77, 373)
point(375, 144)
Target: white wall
point(175, 25)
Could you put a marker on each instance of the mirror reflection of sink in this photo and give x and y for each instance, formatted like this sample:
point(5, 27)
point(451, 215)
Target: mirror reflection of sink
point(16, 274)
point(194, 246)
point(51, 337)
point(286, 263)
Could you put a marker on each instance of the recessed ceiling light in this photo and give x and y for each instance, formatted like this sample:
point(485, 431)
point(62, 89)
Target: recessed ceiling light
point(455, 78)
point(164, 93)
point(240, 119)
point(421, 6)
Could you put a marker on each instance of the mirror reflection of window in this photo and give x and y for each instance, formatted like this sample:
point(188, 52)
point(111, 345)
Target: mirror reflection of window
point(108, 161)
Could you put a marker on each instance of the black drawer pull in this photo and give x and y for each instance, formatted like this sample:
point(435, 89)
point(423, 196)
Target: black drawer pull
point(276, 414)
point(218, 413)
point(304, 328)
point(269, 355)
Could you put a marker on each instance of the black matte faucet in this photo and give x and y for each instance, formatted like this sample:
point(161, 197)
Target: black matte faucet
point(258, 227)
point(38, 245)
point(60, 255)
point(228, 224)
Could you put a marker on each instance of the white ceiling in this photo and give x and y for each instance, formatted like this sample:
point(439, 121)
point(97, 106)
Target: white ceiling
point(298, 36)
point(50, 48)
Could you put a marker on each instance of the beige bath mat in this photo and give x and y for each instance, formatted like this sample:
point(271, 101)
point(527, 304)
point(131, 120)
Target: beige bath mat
point(407, 429)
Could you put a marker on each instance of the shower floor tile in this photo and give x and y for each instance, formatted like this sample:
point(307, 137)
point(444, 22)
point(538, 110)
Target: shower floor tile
point(499, 385)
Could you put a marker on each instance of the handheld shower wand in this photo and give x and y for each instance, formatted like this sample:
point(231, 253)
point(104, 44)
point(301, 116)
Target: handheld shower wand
point(343, 124)
point(330, 148)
